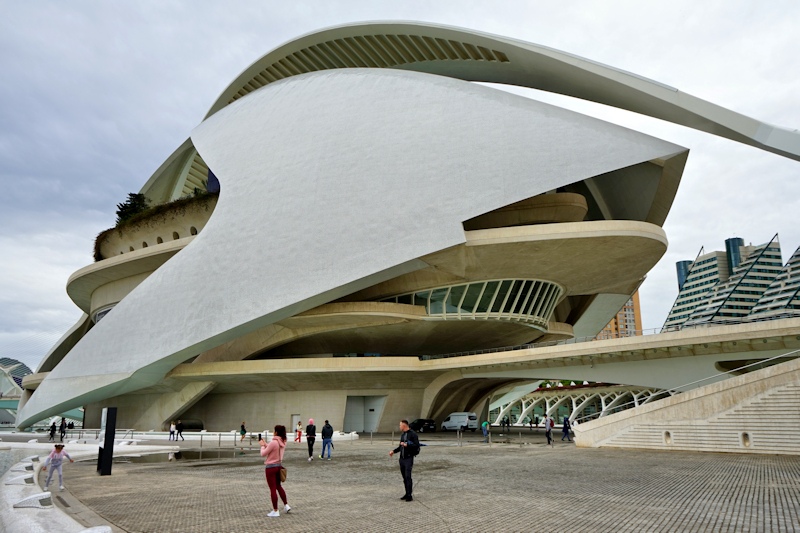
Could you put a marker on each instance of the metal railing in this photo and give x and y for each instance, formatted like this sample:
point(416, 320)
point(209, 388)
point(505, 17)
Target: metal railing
point(687, 386)
point(601, 337)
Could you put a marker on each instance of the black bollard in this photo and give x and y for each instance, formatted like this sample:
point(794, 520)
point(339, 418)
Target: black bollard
point(107, 451)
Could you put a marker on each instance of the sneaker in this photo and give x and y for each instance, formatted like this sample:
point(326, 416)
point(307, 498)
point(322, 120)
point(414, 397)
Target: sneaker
point(61, 488)
point(329, 458)
point(273, 514)
point(310, 459)
point(320, 457)
point(286, 508)
point(409, 499)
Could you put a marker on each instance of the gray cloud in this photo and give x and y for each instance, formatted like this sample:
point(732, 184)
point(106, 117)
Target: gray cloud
point(95, 95)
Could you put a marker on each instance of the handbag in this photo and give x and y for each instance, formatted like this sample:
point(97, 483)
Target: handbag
point(283, 474)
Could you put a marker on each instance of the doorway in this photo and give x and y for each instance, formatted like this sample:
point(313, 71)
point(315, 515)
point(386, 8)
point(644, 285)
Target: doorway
point(363, 413)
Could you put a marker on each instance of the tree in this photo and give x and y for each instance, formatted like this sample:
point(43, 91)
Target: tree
point(135, 204)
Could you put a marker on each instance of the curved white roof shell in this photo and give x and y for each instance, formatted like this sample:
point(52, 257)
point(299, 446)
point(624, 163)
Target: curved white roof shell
point(473, 56)
point(476, 56)
point(333, 181)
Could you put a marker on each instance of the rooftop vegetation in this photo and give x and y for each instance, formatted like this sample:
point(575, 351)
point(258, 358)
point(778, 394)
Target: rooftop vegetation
point(136, 210)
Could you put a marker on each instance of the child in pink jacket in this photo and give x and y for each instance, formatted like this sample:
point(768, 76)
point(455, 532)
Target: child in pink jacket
point(55, 459)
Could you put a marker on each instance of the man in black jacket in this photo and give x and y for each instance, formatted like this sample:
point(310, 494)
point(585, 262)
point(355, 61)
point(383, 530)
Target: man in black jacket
point(327, 442)
point(408, 448)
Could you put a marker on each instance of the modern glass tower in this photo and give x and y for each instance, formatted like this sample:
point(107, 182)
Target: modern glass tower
point(782, 297)
point(733, 285)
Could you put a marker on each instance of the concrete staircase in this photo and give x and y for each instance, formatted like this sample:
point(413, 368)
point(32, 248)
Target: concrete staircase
point(754, 413)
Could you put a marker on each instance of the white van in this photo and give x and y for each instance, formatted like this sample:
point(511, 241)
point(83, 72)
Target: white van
point(455, 421)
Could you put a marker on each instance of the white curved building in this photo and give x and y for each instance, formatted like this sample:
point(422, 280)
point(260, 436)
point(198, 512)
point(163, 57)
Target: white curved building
point(373, 201)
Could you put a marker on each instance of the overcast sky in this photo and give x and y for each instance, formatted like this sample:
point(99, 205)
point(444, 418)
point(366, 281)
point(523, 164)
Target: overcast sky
point(95, 95)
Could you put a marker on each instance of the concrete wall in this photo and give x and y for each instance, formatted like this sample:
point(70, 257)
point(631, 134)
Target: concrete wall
point(183, 221)
point(757, 412)
point(263, 410)
point(129, 409)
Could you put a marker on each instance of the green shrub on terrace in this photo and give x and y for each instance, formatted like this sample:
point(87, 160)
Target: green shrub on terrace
point(131, 215)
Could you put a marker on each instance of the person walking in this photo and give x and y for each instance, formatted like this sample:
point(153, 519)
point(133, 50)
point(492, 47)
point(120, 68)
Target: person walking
point(172, 430)
point(327, 439)
point(242, 432)
point(536, 421)
point(179, 430)
point(565, 429)
point(485, 429)
point(63, 428)
point(299, 432)
point(311, 437)
point(53, 431)
point(548, 428)
point(272, 468)
point(55, 460)
point(408, 449)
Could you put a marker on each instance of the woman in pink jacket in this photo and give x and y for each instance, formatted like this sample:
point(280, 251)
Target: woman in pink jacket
point(272, 468)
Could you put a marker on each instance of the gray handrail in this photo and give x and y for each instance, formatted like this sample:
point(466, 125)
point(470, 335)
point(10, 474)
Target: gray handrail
point(675, 390)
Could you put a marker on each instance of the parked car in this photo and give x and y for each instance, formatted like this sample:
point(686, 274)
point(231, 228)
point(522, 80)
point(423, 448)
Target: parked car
point(421, 425)
point(460, 420)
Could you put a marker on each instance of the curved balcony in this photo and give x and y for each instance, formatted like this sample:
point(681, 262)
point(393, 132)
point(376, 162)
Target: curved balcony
point(527, 301)
point(541, 209)
point(168, 222)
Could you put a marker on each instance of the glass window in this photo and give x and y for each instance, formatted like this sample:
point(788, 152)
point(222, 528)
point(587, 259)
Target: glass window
point(544, 299)
point(405, 299)
point(523, 296)
point(421, 298)
point(512, 295)
point(437, 301)
point(471, 298)
point(454, 298)
point(501, 296)
point(486, 299)
point(536, 293)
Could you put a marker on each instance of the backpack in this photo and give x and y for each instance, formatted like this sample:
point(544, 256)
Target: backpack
point(415, 450)
point(411, 450)
point(552, 423)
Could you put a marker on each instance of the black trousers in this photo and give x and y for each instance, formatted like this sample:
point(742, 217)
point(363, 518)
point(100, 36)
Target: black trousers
point(310, 441)
point(405, 469)
point(549, 434)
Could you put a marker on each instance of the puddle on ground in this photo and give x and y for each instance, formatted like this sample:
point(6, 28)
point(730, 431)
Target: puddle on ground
point(181, 456)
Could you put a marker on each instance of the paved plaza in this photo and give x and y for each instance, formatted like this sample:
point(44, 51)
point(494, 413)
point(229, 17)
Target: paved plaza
point(505, 487)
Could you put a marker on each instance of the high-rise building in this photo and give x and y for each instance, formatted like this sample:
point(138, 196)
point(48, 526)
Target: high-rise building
point(733, 285)
point(627, 322)
point(782, 297)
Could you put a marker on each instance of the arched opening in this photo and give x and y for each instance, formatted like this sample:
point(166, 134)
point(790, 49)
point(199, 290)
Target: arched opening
point(175, 236)
point(469, 394)
point(159, 240)
point(144, 244)
point(193, 230)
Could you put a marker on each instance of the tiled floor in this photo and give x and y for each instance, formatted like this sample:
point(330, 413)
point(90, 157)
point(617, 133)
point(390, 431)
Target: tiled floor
point(508, 487)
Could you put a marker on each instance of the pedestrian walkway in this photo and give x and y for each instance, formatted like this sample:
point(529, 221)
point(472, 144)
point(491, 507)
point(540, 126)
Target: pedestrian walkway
point(505, 487)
